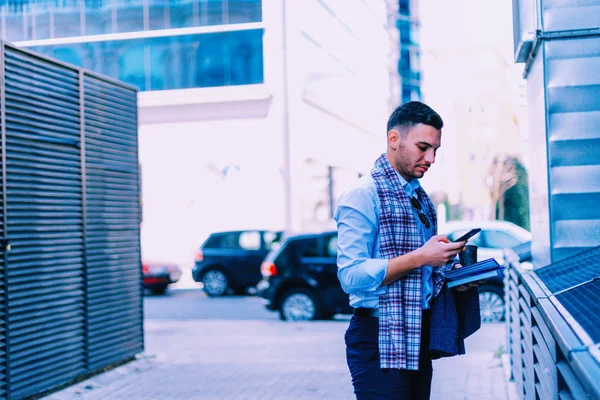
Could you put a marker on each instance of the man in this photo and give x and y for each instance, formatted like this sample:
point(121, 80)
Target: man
point(392, 263)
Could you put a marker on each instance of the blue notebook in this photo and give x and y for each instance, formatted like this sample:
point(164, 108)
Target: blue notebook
point(475, 272)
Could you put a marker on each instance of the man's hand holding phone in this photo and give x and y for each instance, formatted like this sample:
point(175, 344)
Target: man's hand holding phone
point(439, 251)
point(468, 235)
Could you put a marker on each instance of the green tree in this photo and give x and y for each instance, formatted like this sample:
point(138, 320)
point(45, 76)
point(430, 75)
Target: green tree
point(516, 198)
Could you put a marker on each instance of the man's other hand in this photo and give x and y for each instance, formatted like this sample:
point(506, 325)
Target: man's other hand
point(464, 288)
point(439, 251)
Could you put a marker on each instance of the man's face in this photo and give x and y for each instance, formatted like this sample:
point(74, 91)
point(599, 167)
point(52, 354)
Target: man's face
point(412, 154)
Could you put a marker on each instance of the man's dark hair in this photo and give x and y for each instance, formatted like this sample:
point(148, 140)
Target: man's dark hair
point(412, 113)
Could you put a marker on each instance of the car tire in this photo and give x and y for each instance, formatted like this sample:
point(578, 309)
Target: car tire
point(157, 291)
point(491, 303)
point(327, 316)
point(215, 282)
point(299, 304)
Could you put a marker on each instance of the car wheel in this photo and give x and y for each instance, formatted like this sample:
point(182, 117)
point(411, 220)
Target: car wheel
point(159, 290)
point(299, 305)
point(215, 283)
point(491, 303)
point(327, 316)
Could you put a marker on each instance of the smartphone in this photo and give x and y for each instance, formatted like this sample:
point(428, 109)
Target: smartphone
point(468, 235)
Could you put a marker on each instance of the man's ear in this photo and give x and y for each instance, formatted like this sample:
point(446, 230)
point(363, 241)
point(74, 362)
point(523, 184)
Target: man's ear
point(394, 139)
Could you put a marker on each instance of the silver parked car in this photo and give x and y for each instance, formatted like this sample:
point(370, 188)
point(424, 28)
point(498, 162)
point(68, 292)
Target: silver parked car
point(495, 236)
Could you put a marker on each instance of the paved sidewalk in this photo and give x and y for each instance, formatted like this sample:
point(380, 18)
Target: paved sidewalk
point(272, 360)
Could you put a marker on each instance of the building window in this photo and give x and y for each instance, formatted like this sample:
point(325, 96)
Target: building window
point(174, 62)
point(404, 7)
point(409, 31)
point(406, 94)
point(47, 19)
point(129, 16)
point(404, 68)
point(410, 93)
point(404, 26)
point(67, 55)
point(409, 65)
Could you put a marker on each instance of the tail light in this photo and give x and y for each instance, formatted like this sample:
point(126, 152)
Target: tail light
point(199, 256)
point(145, 269)
point(268, 269)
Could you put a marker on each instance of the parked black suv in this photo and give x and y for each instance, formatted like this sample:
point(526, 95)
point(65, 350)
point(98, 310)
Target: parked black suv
point(231, 260)
point(300, 278)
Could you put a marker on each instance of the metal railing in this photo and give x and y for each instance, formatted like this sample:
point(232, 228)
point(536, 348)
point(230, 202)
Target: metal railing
point(551, 355)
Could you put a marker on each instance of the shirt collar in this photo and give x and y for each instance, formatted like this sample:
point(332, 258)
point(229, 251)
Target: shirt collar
point(409, 186)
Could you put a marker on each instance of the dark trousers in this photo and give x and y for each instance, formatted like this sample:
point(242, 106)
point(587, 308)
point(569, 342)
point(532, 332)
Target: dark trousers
point(373, 383)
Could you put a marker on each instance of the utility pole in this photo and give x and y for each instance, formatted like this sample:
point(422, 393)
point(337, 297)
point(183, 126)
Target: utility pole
point(287, 174)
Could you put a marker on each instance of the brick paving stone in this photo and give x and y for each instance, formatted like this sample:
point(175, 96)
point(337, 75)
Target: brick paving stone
point(272, 360)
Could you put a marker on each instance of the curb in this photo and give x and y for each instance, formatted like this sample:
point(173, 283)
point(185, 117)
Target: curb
point(185, 289)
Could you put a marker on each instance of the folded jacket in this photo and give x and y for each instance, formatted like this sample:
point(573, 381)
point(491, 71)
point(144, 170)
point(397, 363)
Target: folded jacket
point(454, 317)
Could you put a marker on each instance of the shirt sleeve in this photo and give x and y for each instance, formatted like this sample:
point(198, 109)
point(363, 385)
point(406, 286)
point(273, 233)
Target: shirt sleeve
point(358, 270)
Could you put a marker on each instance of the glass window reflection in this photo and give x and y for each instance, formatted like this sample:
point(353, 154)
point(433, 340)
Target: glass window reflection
point(211, 12)
point(210, 62)
point(175, 62)
point(99, 17)
point(67, 19)
point(157, 13)
point(184, 13)
point(130, 15)
point(241, 11)
point(70, 56)
point(45, 19)
point(41, 21)
point(132, 67)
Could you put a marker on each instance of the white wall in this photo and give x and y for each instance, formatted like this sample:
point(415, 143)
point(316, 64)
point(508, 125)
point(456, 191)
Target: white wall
point(203, 177)
point(339, 94)
point(337, 117)
point(186, 196)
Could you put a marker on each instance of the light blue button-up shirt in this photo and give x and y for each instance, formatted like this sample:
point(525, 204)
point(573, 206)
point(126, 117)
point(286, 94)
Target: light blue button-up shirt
point(360, 270)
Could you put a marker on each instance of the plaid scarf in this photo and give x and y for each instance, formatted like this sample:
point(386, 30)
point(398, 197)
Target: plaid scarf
point(400, 308)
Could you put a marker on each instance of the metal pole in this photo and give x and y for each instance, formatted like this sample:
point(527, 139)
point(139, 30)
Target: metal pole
point(86, 287)
point(287, 175)
point(7, 325)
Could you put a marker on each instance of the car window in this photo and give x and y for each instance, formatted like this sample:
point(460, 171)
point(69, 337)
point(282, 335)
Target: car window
point(272, 240)
point(499, 239)
point(284, 256)
point(212, 242)
point(476, 240)
point(223, 241)
point(250, 240)
point(230, 240)
point(310, 248)
point(325, 246)
point(331, 248)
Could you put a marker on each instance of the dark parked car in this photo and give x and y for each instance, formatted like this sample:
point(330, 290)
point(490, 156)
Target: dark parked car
point(300, 278)
point(231, 260)
point(157, 276)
